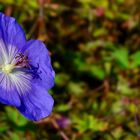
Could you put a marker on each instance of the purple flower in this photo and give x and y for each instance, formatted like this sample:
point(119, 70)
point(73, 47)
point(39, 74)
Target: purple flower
point(63, 122)
point(26, 73)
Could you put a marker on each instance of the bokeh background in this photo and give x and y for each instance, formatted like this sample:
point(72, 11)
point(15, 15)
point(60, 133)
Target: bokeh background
point(95, 51)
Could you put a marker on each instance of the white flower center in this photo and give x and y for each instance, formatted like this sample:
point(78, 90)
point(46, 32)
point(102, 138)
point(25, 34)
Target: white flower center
point(7, 68)
point(10, 79)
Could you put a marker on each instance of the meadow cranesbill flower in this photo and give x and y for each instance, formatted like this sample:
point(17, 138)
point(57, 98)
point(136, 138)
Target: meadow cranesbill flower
point(26, 73)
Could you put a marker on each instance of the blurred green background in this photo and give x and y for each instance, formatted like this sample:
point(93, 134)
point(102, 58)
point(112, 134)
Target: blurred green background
point(95, 51)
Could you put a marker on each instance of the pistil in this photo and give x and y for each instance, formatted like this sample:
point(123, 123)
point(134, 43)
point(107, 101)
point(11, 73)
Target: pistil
point(7, 68)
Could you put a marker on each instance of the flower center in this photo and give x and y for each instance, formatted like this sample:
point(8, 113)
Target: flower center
point(7, 68)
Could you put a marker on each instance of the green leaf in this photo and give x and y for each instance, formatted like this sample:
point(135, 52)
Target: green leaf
point(120, 1)
point(3, 127)
point(61, 79)
point(135, 59)
point(15, 116)
point(124, 88)
point(63, 107)
point(15, 136)
point(109, 14)
point(99, 32)
point(117, 133)
point(89, 122)
point(121, 56)
point(76, 88)
point(97, 72)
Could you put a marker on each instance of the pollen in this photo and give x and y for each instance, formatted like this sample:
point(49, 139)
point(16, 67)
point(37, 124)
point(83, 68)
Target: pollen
point(7, 68)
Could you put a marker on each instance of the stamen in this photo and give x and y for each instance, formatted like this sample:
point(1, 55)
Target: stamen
point(34, 71)
point(22, 60)
point(23, 64)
